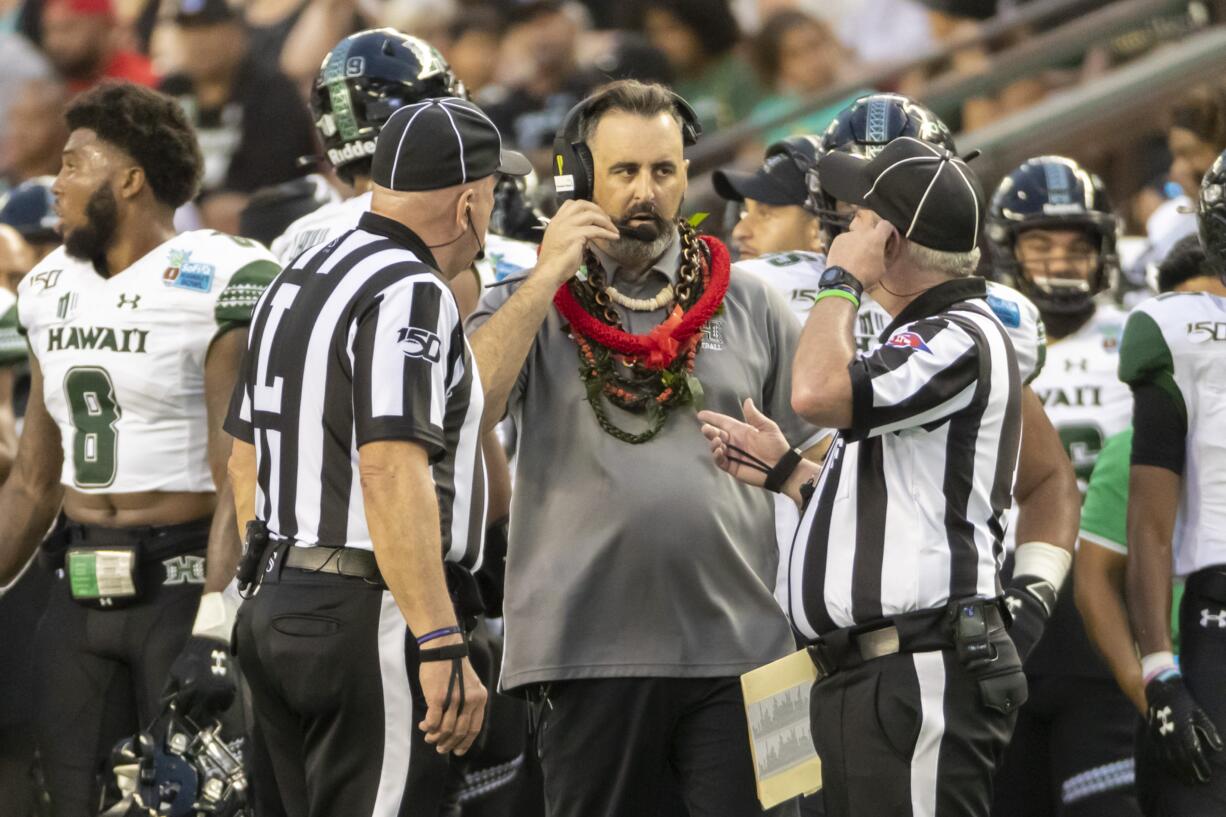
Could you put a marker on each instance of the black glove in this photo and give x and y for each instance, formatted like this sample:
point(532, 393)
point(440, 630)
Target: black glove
point(1179, 731)
point(201, 680)
point(1031, 601)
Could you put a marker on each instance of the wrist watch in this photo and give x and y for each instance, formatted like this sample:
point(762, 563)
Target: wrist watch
point(839, 278)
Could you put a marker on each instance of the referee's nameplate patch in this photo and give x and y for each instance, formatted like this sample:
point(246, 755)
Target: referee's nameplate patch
point(416, 342)
point(908, 340)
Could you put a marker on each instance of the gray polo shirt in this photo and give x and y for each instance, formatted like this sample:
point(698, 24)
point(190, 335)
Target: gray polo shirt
point(644, 560)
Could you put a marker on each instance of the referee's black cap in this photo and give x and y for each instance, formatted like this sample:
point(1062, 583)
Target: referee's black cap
point(439, 143)
point(930, 195)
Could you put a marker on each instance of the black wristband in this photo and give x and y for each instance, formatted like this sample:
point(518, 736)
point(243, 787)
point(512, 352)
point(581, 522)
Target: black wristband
point(445, 653)
point(777, 476)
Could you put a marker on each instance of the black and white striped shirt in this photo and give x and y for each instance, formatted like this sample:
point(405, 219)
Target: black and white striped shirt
point(909, 510)
point(360, 340)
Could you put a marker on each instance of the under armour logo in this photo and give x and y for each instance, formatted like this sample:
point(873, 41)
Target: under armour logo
point(106, 601)
point(124, 300)
point(1013, 603)
point(1073, 365)
point(1218, 618)
point(219, 662)
point(1164, 715)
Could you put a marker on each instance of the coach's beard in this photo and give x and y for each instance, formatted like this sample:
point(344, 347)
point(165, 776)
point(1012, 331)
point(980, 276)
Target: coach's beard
point(91, 241)
point(642, 240)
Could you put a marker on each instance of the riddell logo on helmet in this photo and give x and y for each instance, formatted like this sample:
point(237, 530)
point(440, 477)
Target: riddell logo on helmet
point(351, 152)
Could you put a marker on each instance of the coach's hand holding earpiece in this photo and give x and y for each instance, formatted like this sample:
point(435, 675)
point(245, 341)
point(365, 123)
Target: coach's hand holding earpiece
point(866, 249)
point(577, 222)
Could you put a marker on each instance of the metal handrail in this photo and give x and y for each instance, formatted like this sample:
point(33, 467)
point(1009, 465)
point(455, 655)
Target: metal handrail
point(1039, 52)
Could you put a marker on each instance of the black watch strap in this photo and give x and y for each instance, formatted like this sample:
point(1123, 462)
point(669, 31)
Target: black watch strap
point(840, 278)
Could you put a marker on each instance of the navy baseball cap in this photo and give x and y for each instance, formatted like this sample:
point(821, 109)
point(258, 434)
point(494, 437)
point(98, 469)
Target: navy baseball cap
point(779, 181)
point(29, 208)
point(439, 143)
point(930, 195)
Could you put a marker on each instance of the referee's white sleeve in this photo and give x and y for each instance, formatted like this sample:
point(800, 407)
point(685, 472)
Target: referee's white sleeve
point(925, 372)
point(400, 349)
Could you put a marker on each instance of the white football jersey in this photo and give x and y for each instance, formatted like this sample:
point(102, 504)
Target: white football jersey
point(795, 276)
point(1081, 390)
point(319, 227)
point(123, 357)
point(1178, 342)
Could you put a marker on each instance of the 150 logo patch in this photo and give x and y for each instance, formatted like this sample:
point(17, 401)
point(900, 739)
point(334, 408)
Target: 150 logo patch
point(423, 343)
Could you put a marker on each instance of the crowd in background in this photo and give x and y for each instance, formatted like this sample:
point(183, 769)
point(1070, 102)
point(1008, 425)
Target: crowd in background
point(244, 72)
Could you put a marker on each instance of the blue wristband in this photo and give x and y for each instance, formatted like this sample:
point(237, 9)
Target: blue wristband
point(443, 633)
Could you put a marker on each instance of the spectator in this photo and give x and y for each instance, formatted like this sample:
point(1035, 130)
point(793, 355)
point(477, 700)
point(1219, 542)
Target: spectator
point(699, 37)
point(32, 148)
point(798, 57)
point(82, 38)
point(29, 209)
point(538, 79)
point(20, 62)
point(251, 122)
point(472, 46)
point(1196, 135)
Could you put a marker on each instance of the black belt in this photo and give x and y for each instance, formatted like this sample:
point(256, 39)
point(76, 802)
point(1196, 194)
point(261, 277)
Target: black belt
point(353, 562)
point(155, 541)
point(921, 631)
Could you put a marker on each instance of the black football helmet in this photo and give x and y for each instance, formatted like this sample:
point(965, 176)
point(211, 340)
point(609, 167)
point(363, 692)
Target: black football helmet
point(1052, 192)
point(865, 127)
point(366, 78)
point(514, 215)
point(1211, 215)
point(178, 769)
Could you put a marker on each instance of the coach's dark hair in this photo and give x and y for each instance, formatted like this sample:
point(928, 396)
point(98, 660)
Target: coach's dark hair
point(1185, 261)
point(629, 95)
point(151, 128)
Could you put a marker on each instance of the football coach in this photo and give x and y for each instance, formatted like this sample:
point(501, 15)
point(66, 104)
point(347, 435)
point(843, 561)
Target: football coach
point(893, 577)
point(358, 418)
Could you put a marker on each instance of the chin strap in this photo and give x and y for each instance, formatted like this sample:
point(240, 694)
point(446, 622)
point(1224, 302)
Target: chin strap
point(455, 653)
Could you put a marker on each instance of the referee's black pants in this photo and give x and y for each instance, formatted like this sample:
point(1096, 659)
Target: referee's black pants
point(1202, 660)
point(613, 747)
point(332, 670)
point(915, 734)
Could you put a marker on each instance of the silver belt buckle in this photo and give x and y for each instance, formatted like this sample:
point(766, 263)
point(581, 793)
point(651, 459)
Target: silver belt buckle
point(878, 643)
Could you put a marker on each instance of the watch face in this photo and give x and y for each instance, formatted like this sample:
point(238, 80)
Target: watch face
point(830, 276)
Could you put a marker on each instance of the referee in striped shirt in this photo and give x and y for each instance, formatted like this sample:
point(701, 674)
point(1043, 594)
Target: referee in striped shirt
point(893, 577)
point(358, 418)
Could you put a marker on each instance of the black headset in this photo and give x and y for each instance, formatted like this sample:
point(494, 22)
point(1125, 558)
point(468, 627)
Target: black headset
point(573, 169)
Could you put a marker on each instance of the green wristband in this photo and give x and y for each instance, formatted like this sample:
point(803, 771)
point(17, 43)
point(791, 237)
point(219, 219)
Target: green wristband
point(837, 293)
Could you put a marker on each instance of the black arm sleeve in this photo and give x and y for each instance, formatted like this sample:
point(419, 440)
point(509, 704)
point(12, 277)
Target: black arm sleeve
point(1161, 431)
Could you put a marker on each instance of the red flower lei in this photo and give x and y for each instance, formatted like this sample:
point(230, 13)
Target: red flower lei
point(677, 333)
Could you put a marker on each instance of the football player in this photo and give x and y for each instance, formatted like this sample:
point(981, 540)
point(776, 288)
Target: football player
point(16, 259)
point(1052, 233)
point(1173, 358)
point(135, 336)
point(362, 82)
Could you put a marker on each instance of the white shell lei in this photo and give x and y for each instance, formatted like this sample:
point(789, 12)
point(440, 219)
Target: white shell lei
point(663, 298)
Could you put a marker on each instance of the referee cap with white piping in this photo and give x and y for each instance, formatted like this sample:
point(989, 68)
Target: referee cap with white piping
point(930, 195)
point(439, 143)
